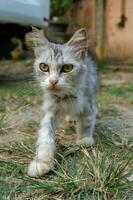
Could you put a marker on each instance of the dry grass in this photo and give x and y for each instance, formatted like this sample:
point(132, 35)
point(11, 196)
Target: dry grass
point(101, 172)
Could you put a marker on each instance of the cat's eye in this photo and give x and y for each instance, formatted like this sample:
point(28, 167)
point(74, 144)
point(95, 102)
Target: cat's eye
point(67, 68)
point(44, 67)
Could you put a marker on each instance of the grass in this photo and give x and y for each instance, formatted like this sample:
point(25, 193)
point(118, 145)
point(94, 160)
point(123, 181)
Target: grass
point(120, 93)
point(101, 172)
point(2, 122)
point(94, 173)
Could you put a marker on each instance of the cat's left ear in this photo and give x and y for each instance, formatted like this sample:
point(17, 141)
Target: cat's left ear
point(37, 41)
point(79, 43)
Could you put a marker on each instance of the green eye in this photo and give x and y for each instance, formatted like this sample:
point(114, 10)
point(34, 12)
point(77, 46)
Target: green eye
point(67, 68)
point(44, 67)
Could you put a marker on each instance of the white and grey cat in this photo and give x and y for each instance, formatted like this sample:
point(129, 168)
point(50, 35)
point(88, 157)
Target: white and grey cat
point(68, 77)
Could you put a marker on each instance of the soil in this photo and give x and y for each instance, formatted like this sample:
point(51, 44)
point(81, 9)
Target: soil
point(15, 70)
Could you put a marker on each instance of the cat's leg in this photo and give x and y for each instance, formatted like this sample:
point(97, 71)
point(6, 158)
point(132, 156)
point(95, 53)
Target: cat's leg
point(85, 126)
point(44, 158)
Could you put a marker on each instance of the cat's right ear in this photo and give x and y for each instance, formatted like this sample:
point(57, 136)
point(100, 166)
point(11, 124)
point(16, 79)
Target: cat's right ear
point(37, 41)
point(79, 43)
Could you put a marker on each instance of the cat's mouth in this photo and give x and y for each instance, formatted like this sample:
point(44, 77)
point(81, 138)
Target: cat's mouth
point(54, 88)
point(57, 91)
point(60, 94)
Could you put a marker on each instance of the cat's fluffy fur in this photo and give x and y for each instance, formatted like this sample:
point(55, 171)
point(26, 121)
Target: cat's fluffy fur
point(75, 94)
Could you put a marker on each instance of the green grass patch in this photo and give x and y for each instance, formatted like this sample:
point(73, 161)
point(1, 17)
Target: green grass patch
point(119, 93)
point(101, 172)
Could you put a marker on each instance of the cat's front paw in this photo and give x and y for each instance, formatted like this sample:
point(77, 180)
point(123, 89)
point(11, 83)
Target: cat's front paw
point(38, 168)
point(86, 141)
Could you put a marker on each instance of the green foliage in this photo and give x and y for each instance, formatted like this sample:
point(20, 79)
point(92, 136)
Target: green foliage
point(15, 41)
point(102, 63)
point(58, 7)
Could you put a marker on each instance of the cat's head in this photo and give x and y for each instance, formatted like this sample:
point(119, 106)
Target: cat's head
point(60, 67)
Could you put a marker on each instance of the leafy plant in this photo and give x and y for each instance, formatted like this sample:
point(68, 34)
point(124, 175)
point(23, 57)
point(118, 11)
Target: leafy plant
point(58, 7)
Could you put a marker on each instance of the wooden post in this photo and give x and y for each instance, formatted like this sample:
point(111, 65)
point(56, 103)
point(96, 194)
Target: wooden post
point(123, 7)
point(100, 28)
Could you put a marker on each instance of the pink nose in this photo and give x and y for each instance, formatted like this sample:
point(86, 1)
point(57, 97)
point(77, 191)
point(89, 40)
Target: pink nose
point(53, 82)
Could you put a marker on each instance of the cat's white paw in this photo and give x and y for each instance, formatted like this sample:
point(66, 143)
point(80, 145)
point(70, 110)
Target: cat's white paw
point(37, 168)
point(86, 141)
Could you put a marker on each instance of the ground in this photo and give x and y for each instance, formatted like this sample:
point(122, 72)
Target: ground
point(101, 172)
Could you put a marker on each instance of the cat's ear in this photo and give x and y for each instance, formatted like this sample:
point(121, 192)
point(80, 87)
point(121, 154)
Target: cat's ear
point(37, 41)
point(79, 43)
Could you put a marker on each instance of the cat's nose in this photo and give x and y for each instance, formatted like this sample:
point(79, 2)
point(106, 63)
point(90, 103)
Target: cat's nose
point(53, 81)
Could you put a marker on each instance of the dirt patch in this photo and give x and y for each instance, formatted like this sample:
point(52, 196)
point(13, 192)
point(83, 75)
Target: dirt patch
point(24, 125)
point(116, 77)
point(21, 126)
point(15, 70)
point(121, 124)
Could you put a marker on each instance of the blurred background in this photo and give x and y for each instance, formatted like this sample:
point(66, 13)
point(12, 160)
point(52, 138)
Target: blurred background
point(109, 25)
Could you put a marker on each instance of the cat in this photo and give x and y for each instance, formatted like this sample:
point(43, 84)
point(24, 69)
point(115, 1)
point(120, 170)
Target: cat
point(68, 77)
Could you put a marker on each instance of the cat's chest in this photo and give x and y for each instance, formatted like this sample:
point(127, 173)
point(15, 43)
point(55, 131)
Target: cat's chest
point(64, 106)
point(71, 106)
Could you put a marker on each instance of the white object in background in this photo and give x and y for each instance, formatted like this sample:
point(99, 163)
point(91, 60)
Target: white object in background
point(26, 12)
